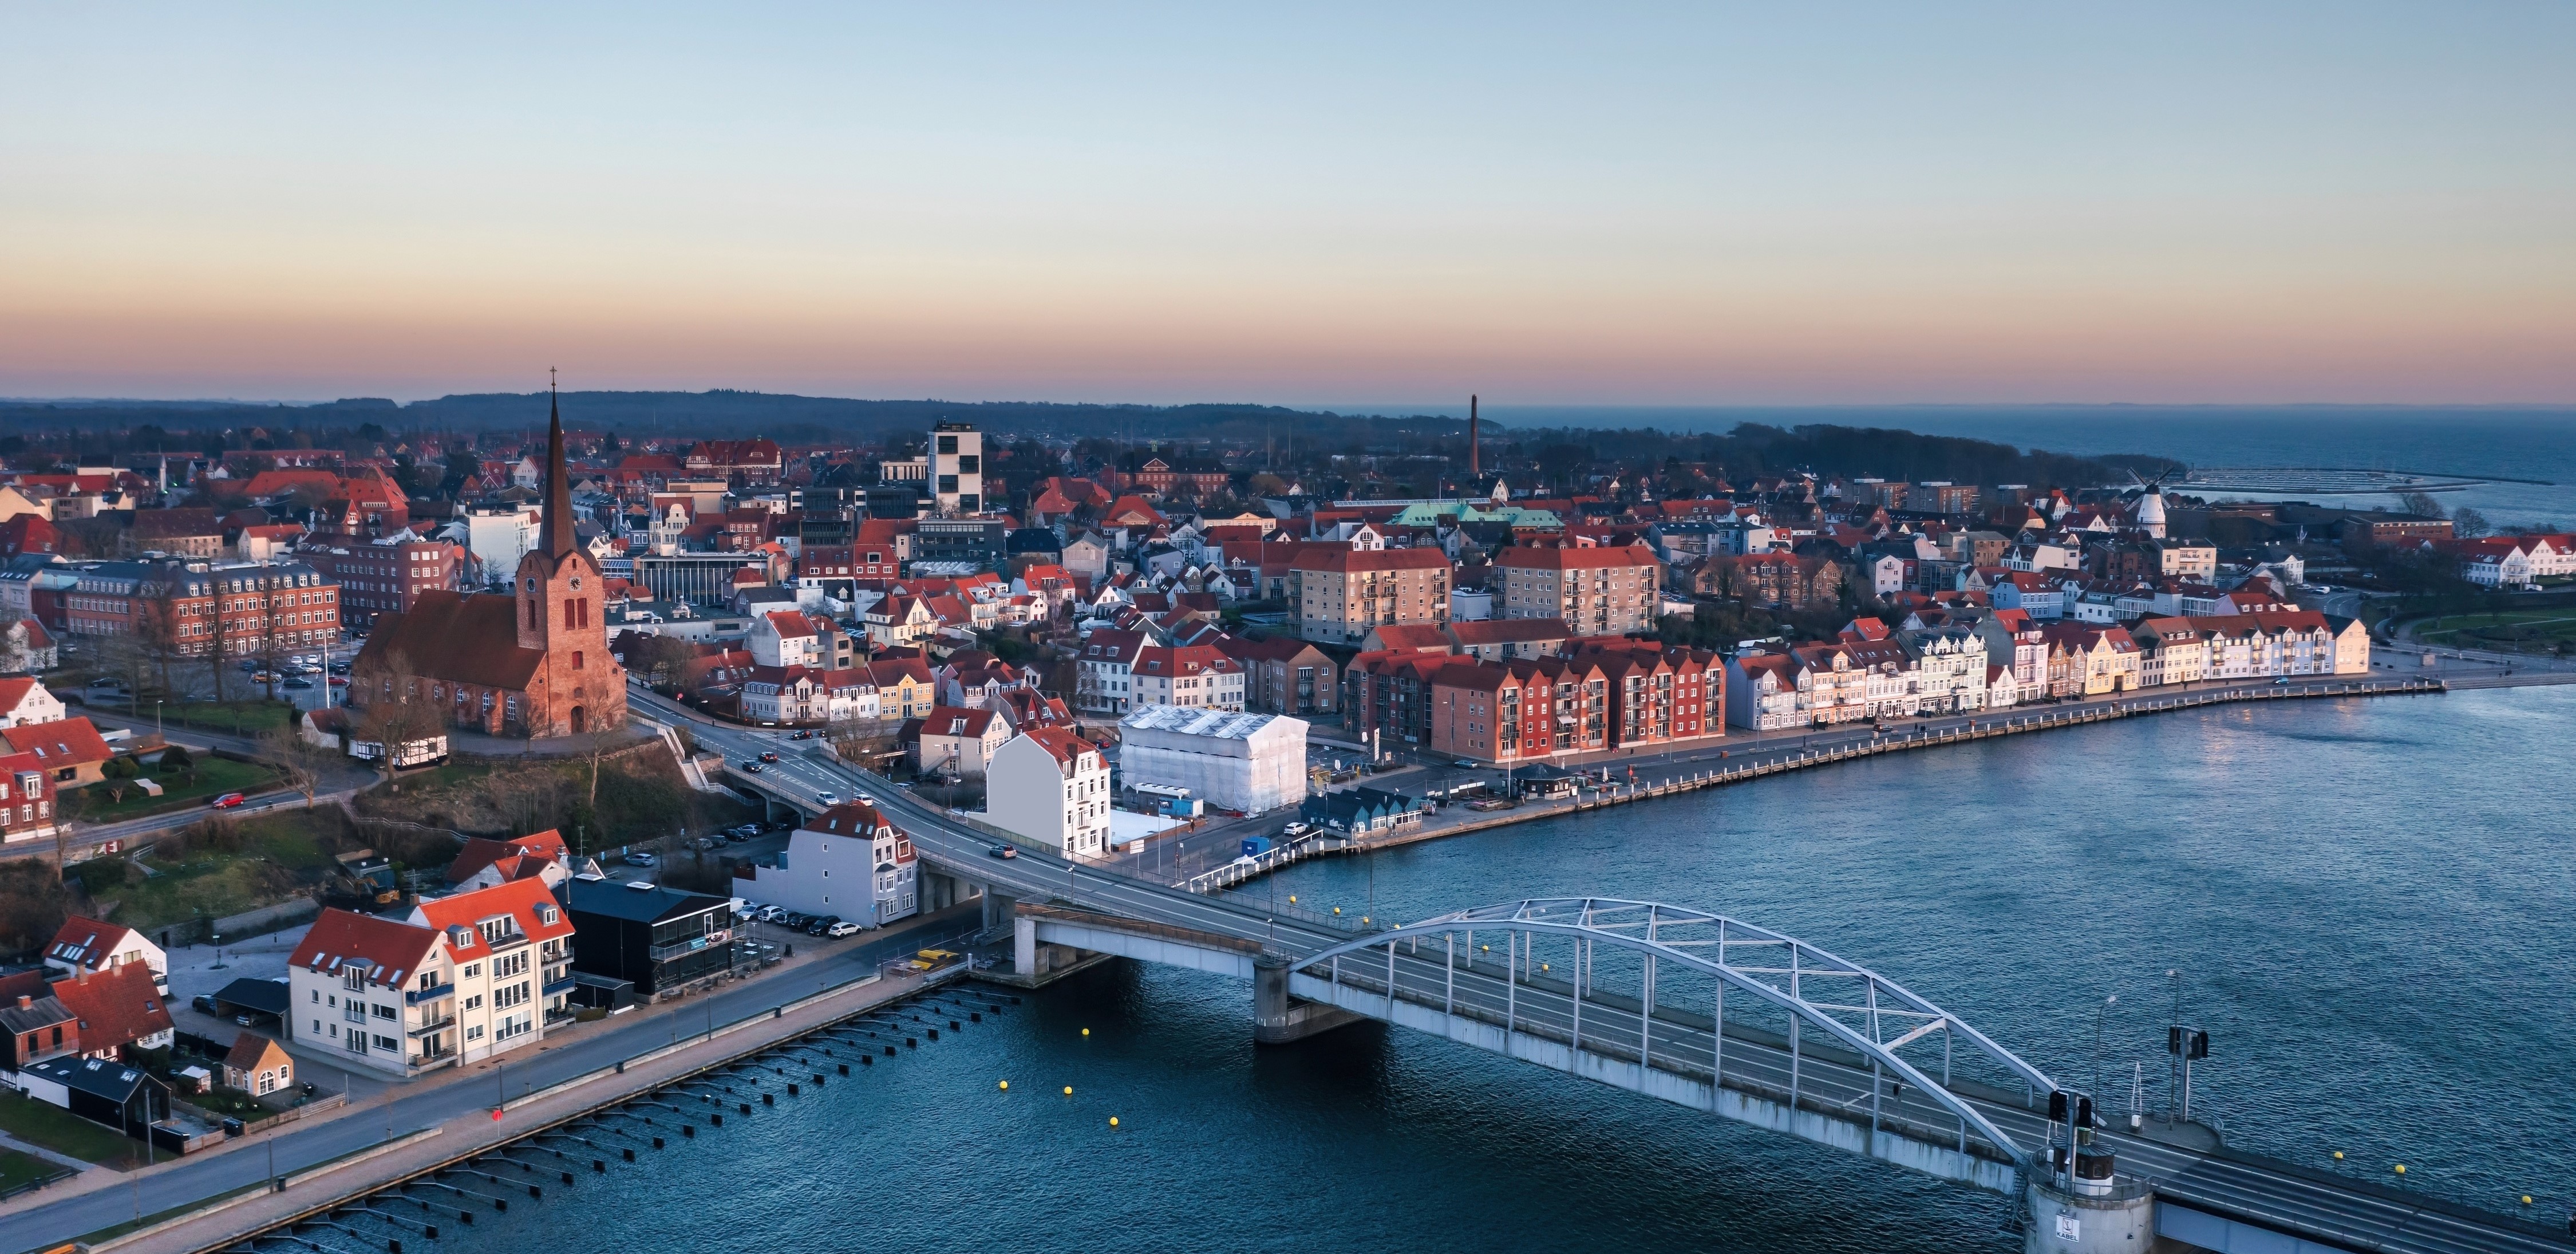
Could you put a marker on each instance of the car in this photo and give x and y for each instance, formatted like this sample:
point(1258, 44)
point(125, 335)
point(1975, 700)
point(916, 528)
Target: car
point(795, 919)
point(262, 677)
point(227, 801)
point(249, 666)
point(816, 927)
point(747, 830)
point(769, 755)
point(247, 1020)
point(800, 735)
point(864, 799)
point(338, 682)
point(2282, 680)
point(828, 797)
point(1296, 829)
point(639, 858)
point(299, 682)
point(751, 768)
point(1464, 764)
point(843, 928)
point(203, 1003)
point(771, 914)
point(103, 681)
point(1004, 850)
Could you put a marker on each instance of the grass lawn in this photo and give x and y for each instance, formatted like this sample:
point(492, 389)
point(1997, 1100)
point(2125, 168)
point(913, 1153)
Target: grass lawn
point(19, 1168)
point(213, 778)
point(224, 1101)
point(59, 1130)
point(2532, 630)
point(248, 718)
point(280, 852)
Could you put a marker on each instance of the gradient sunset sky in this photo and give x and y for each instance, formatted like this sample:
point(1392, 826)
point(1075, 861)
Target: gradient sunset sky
point(1301, 204)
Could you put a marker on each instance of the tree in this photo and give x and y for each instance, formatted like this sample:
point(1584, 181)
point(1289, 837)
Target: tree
point(300, 761)
point(2421, 504)
point(2468, 523)
point(118, 775)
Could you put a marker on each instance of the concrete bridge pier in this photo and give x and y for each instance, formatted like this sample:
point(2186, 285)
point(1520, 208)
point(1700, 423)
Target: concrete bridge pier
point(2092, 1213)
point(1278, 1018)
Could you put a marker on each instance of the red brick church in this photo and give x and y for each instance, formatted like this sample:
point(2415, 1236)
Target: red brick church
point(533, 663)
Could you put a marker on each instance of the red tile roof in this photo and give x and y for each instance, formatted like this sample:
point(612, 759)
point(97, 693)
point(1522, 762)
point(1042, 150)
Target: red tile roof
point(527, 902)
point(390, 951)
point(116, 1007)
point(63, 742)
point(459, 637)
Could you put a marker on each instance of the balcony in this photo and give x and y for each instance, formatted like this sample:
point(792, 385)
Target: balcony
point(560, 987)
point(420, 996)
point(443, 1021)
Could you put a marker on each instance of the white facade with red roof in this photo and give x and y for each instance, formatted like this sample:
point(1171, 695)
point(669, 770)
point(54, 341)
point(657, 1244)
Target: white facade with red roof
point(82, 946)
point(511, 949)
point(23, 699)
point(1052, 787)
point(372, 992)
point(1196, 676)
point(847, 862)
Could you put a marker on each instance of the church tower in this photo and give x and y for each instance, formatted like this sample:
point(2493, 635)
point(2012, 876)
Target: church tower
point(578, 687)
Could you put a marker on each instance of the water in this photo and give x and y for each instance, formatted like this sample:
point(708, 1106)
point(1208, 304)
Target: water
point(2533, 443)
point(2367, 899)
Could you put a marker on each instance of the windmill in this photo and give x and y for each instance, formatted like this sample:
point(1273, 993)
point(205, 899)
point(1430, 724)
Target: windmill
point(2150, 508)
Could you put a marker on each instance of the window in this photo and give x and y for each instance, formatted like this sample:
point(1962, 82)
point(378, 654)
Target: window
point(576, 659)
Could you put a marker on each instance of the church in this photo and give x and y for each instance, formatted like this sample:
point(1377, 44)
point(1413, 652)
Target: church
point(532, 663)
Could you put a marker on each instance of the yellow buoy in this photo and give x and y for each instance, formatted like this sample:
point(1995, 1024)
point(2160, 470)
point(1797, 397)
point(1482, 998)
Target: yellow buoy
point(1364, 918)
point(1544, 967)
point(2338, 1155)
point(1068, 1090)
point(1292, 899)
point(2526, 1199)
point(1086, 1031)
point(1337, 909)
point(1113, 1121)
point(1487, 948)
point(1006, 1086)
point(2401, 1169)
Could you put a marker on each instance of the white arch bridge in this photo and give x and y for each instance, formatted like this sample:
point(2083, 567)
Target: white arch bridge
point(1813, 1045)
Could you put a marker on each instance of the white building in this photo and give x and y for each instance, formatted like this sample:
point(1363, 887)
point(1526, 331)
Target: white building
point(25, 700)
point(1195, 675)
point(511, 949)
point(957, 468)
point(847, 861)
point(498, 536)
point(1052, 787)
point(84, 946)
point(351, 985)
point(1234, 761)
point(787, 638)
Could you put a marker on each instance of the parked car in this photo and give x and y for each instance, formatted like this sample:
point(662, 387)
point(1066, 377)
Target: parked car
point(1004, 850)
point(338, 682)
point(747, 831)
point(1296, 829)
point(771, 914)
point(1464, 764)
point(795, 920)
point(299, 682)
point(103, 681)
point(203, 1003)
point(227, 801)
point(843, 928)
point(639, 858)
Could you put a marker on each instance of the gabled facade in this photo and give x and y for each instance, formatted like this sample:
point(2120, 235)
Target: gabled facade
point(1052, 787)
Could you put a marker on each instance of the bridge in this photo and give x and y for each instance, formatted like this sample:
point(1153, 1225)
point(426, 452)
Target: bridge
point(1712, 1013)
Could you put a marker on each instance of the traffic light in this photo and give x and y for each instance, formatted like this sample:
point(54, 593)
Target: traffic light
point(2188, 1042)
point(2057, 1106)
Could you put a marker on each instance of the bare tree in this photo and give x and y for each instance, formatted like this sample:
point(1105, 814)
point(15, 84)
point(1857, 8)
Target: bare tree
point(2421, 504)
point(300, 761)
point(2468, 523)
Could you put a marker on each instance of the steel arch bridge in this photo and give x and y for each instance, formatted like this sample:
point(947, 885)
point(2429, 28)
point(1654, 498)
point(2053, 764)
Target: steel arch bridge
point(1874, 1084)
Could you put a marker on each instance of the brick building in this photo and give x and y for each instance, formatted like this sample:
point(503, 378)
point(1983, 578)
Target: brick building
point(1599, 590)
point(1339, 594)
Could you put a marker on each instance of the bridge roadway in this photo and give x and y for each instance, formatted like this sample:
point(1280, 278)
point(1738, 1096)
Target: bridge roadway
point(2328, 1212)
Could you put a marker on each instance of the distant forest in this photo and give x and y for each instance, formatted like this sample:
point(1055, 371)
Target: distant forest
point(129, 427)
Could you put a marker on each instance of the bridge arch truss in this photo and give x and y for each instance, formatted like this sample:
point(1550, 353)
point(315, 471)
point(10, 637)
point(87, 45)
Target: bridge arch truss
point(1874, 1086)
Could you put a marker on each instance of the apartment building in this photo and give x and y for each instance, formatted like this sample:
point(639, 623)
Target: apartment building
point(1052, 787)
point(1598, 590)
point(237, 609)
point(511, 948)
point(1339, 594)
point(1197, 675)
point(386, 577)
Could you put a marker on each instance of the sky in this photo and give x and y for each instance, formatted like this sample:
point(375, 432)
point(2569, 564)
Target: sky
point(1703, 204)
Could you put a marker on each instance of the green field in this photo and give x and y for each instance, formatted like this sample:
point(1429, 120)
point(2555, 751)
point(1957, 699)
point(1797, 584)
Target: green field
point(280, 853)
point(18, 1168)
point(2524, 631)
point(213, 777)
point(63, 1132)
point(248, 718)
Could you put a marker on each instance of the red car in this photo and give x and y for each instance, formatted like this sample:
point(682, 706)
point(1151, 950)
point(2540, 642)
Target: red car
point(338, 682)
point(227, 801)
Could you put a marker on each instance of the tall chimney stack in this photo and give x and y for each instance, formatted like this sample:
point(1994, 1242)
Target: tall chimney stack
point(1473, 472)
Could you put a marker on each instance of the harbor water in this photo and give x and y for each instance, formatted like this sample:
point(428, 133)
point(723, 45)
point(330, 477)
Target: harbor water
point(2366, 900)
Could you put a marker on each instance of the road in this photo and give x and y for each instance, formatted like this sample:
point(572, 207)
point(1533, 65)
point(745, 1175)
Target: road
point(2271, 1194)
point(407, 1107)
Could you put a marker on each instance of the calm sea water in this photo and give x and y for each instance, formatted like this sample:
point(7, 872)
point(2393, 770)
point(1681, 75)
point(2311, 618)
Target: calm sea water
point(2516, 443)
point(2367, 899)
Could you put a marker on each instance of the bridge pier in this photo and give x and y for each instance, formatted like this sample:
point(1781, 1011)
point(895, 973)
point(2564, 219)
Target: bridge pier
point(2094, 1216)
point(1277, 1018)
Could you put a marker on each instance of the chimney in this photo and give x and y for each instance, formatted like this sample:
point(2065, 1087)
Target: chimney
point(26, 1001)
point(1472, 472)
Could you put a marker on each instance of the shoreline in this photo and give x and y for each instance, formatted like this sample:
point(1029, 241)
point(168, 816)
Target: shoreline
point(1686, 779)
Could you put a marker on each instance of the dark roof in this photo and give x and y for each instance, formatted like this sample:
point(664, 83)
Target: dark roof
point(614, 899)
point(112, 1080)
point(266, 996)
point(1034, 540)
point(39, 1012)
point(459, 637)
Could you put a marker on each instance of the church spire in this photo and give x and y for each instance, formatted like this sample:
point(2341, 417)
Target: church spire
point(555, 535)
